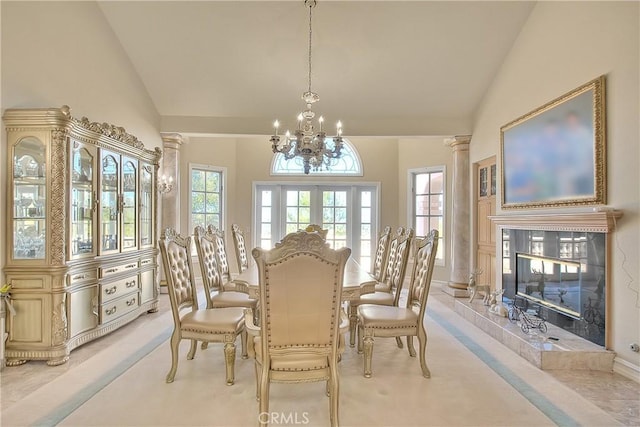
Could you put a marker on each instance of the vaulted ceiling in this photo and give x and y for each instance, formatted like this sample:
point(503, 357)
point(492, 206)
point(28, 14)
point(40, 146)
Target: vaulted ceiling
point(401, 68)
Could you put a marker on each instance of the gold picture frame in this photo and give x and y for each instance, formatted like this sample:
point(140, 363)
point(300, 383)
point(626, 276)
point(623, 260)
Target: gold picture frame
point(555, 156)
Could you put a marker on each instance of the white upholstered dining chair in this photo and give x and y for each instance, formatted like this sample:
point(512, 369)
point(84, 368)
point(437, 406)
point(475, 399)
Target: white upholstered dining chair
point(216, 294)
point(382, 252)
point(389, 294)
point(221, 325)
point(391, 321)
point(222, 258)
point(300, 316)
point(240, 247)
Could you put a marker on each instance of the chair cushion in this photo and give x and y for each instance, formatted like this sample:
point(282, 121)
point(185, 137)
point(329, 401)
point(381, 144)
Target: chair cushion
point(383, 316)
point(299, 359)
point(233, 299)
point(214, 320)
point(379, 298)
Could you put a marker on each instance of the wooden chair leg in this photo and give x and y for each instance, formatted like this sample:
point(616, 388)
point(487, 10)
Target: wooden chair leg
point(399, 342)
point(422, 342)
point(243, 340)
point(192, 349)
point(412, 350)
point(264, 397)
point(368, 352)
point(230, 360)
point(353, 322)
point(334, 394)
point(174, 344)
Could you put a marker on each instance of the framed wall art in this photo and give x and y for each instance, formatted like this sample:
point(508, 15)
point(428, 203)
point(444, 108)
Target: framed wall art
point(556, 155)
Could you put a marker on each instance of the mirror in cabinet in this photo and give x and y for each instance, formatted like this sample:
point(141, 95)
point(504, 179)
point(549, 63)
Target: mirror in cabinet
point(29, 199)
point(83, 200)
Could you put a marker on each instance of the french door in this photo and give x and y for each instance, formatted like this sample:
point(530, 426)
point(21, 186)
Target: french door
point(348, 212)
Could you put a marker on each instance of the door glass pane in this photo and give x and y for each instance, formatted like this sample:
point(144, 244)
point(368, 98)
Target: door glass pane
point(334, 217)
point(109, 203)
point(129, 197)
point(298, 210)
point(82, 202)
point(266, 215)
point(30, 199)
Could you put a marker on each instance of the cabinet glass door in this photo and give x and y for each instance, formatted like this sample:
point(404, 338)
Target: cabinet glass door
point(83, 198)
point(29, 199)
point(146, 205)
point(109, 203)
point(129, 201)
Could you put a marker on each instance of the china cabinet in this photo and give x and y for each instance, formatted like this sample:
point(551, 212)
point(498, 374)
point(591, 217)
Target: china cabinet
point(81, 255)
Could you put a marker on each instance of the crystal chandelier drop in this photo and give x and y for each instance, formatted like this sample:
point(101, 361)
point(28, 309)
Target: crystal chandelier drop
point(306, 143)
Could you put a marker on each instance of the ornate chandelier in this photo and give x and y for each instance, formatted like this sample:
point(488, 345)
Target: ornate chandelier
point(306, 143)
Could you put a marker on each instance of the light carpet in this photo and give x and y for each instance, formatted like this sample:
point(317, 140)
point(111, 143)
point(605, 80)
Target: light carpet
point(475, 382)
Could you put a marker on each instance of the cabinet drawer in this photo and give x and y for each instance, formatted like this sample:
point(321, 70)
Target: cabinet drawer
point(147, 261)
point(119, 307)
point(116, 289)
point(82, 276)
point(116, 269)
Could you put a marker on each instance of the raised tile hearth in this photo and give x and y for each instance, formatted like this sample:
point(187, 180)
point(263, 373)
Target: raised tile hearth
point(568, 352)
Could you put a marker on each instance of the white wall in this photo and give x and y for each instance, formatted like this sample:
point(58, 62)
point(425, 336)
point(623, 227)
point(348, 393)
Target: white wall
point(562, 46)
point(56, 53)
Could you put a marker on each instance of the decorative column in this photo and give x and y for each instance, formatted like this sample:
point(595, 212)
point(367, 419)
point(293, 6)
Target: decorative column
point(170, 200)
point(461, 218)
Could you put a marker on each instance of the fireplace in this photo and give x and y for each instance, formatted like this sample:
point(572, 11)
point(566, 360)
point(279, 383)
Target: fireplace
point(554, 283)
point(556, 266)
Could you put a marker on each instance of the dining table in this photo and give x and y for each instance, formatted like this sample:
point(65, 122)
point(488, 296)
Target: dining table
point(357, 280)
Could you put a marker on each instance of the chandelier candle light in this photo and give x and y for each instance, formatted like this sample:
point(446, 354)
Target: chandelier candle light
point(306, 143)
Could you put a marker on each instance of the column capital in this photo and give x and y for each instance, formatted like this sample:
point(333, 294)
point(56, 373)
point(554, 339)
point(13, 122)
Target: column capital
point(172, 140)
point(458, 140)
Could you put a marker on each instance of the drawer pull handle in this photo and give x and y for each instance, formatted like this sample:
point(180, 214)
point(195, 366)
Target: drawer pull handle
point(129, 266)
point(110, 311)
point(111, 270)
point(79, 276)
point(131, 284)
point(145, 262)
point(131, 302)
point(110, 291)
point(94, 306)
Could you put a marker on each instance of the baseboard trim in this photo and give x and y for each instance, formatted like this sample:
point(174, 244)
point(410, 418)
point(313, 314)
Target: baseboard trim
point(626, 369)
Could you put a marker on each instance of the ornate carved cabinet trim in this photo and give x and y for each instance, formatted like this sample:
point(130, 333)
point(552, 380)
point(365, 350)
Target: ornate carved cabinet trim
point(60, 215)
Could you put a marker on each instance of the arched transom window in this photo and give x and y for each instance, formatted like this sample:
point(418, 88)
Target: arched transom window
point(348, 164)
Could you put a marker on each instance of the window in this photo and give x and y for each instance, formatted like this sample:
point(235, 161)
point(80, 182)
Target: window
point(348, 164)
point(427, 211)
point(348, 212)
point(206, 196)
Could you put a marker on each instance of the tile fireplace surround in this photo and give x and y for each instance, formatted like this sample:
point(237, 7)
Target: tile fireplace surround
point(574, 245)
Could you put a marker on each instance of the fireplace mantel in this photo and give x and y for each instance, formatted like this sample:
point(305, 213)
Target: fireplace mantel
point(597, 221)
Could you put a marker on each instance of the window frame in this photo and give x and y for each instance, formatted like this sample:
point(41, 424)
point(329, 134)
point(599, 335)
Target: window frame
point(223, 194)
point(411, 208)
